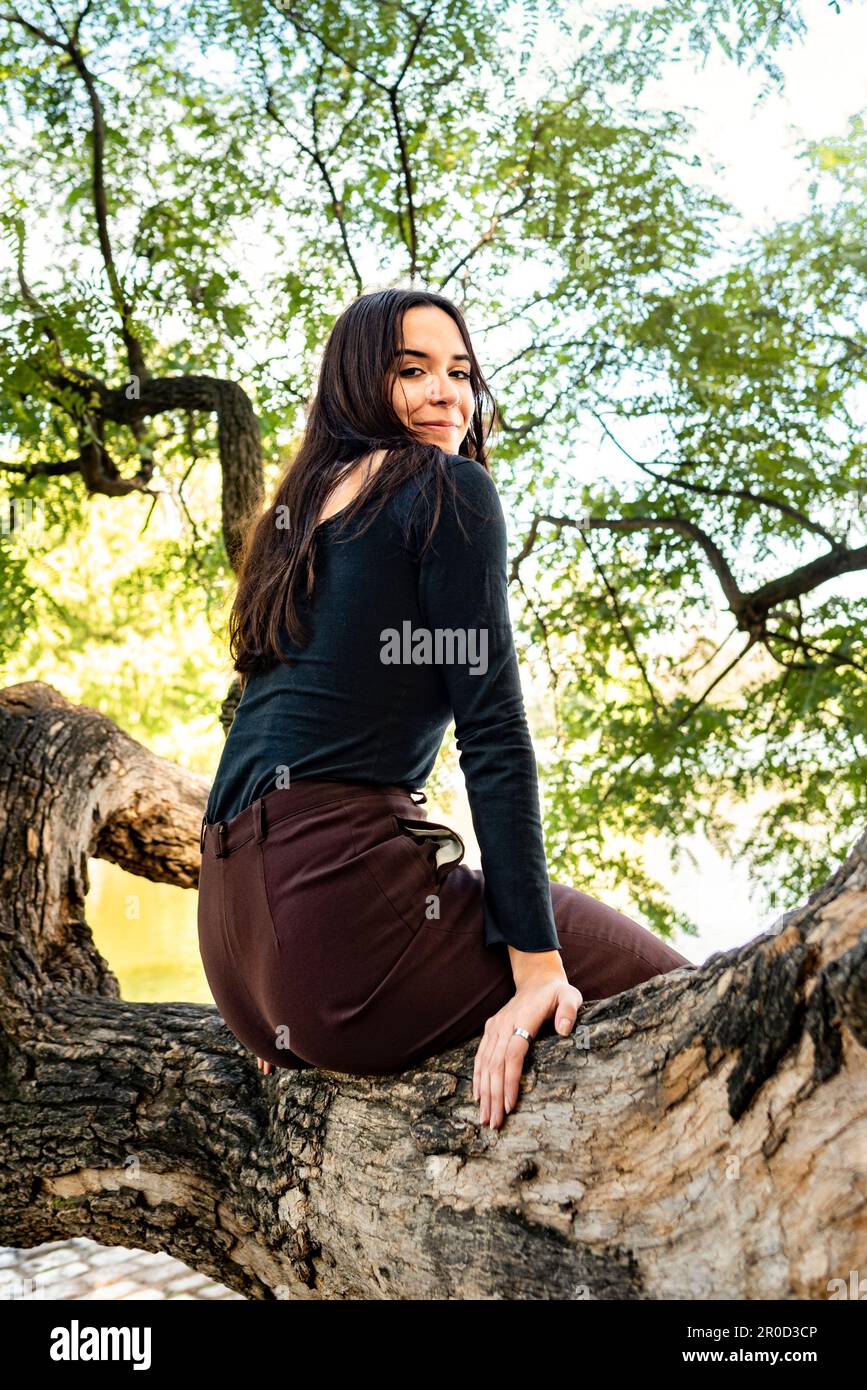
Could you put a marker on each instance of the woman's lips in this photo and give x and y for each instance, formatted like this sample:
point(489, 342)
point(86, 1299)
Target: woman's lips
point(427, 425)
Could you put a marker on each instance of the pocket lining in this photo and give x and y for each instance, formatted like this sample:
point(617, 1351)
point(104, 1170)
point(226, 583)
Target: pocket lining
point(418, 831)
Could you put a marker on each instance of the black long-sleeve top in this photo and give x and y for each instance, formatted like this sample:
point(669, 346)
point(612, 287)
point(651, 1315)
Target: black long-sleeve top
point(344, 712)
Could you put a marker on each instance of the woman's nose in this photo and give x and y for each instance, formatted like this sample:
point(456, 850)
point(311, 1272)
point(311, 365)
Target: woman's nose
point(444, 394)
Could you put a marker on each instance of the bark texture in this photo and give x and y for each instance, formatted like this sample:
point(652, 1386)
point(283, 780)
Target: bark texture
point(701, 1136)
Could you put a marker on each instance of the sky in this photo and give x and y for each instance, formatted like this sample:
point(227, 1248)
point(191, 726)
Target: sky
point(756, 147)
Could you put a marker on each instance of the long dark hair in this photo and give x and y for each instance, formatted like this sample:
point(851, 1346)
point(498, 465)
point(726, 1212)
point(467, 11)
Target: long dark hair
point(351, 415)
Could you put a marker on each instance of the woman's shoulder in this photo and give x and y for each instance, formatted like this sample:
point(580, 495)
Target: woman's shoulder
point(469, 493)
point(470, 474)
point(470, 511)
point(471, 465)
point(473, 483)
point(465, 476)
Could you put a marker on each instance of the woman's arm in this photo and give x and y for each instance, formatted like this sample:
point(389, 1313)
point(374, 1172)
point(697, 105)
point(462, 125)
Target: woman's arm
point(528, 966)
point(463, 593)
point(463, 588)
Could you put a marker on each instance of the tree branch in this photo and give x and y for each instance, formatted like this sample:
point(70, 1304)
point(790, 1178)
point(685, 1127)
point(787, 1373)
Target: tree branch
point(524, 175)
point(705, 490)
point(317, 158)
point(612, 594)
point(735, 597)
point(147, 1124)
point(134, 350)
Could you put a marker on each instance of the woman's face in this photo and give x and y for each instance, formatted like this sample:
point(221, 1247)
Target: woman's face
point(432, 392)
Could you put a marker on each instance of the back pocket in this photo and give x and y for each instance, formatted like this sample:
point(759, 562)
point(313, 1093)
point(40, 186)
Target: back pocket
point(249, 919)
point(392, 862)
point(423, 835)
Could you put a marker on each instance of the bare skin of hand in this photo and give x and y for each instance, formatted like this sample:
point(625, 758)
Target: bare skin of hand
point(266, 1067)
point(542, 990)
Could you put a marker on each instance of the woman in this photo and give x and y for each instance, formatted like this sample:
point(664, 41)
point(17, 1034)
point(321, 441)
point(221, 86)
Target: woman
point(337, 925)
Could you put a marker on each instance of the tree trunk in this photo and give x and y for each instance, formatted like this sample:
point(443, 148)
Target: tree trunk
point(701, 1136)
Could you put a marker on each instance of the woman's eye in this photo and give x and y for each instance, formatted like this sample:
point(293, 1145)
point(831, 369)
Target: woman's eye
point(459, 372)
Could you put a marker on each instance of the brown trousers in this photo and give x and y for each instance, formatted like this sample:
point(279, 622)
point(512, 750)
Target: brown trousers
point(339, 929)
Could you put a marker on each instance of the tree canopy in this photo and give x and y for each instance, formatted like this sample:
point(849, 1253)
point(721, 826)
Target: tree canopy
point(192, 192)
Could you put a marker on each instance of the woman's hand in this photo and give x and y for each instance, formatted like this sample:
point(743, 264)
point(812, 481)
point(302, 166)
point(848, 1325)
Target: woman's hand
point(266, 1067)
point(542, 990)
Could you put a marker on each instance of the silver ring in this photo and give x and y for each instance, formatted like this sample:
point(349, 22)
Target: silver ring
point(522, 1033)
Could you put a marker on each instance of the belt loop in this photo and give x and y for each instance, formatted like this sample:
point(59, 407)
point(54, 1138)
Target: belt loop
point(221, 839)
point(259, 820)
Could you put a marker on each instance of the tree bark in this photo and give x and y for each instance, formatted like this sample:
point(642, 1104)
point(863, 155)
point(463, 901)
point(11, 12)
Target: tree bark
point(701, 1136)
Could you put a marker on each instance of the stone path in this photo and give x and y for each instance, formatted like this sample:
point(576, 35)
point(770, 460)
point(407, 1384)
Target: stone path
point(80, 1269)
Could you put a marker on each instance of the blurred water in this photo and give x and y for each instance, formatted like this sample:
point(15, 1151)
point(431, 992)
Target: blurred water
point(147, 932)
